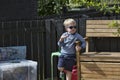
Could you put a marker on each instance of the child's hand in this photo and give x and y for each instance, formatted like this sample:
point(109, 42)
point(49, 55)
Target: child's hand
point(78, 48)
point(62, 38)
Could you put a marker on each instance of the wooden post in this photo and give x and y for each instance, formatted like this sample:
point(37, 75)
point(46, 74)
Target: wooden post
point(87, 44)
point(78, 61)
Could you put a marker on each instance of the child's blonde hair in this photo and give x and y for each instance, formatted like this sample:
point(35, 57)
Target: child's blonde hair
point(69, 21)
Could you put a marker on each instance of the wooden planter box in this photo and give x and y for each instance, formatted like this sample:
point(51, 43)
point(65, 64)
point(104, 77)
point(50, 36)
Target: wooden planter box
point(99, 65)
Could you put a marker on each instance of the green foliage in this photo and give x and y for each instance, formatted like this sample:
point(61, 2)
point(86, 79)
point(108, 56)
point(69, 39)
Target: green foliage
point(111, 6)
point(115, 24)
point(48, 7)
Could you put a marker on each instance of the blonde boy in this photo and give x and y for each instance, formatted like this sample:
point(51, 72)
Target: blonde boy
point(68, 49)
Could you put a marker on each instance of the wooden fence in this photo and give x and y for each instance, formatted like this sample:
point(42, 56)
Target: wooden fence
point(29, 33)
point(41, 36)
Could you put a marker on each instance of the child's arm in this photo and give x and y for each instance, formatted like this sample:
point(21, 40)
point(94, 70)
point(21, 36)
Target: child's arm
point(63, 37)
point(61, 40)
point(82, 41)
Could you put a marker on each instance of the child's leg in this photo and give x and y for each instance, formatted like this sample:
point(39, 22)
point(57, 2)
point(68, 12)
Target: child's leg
point(61, 69)
point(61, 63)
point(68, 75)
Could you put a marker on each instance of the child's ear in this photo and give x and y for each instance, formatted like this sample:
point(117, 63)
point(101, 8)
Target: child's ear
point(66, 28)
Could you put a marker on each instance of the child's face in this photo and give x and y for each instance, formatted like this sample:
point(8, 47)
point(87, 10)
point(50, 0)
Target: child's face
point(71, 28)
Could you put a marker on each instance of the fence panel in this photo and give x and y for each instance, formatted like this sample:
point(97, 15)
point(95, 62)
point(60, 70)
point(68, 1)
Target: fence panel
point(29, 33)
